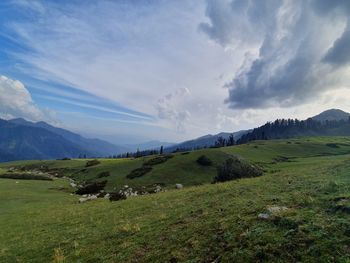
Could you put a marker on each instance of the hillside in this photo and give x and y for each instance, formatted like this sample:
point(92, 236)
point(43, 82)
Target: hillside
point(182, 167)
point(332, 115)
point(308, 178)
point(18, 142)
point(289, 128)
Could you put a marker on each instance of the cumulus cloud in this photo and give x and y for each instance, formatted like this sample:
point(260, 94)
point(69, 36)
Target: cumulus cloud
point(291, 48)
point(170, 108)
point(16, 101)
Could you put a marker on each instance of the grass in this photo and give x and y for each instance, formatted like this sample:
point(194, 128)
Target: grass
point(41, 222)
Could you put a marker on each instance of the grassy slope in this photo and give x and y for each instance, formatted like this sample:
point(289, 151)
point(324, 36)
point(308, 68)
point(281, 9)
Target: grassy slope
point(40, 221)
point(184, 169)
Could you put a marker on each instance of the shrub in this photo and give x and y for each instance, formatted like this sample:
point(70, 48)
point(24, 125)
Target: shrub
point(332, 145)
point(235, 168)
point(204, 160)
point(92, 188)
point(103, 174)
point(117, 196)
point(158, 160)
point(139, 172)
point(92, 163)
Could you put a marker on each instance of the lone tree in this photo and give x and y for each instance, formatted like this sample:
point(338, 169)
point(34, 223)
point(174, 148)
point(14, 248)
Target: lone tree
point(161, 150)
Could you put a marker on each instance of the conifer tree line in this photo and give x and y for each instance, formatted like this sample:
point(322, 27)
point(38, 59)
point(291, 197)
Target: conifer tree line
point(279, 129)
point(286, 128)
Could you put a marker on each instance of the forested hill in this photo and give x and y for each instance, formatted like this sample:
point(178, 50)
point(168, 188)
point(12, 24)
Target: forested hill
point(286, 128)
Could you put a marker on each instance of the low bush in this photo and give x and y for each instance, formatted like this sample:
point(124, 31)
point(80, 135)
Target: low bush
point(158, 160)
point(235, 168)
point(92, 188)
point(92, 163)
point(204, 160)
point(139, 172)
point(104, 174)
point(332, 145)
point(117, 196)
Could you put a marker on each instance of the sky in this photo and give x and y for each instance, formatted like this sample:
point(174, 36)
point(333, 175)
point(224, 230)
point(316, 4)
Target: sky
point(134, 71)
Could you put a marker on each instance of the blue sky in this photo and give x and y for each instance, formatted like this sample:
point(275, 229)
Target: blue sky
point(132, 71)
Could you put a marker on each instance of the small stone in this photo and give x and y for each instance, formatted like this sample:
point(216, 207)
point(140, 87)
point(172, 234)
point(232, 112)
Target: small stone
point(92, 197)
point(83, 200)
point(263, 216)
point(179, 186)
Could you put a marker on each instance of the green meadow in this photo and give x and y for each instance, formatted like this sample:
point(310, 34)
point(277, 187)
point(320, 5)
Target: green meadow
point(42, 221)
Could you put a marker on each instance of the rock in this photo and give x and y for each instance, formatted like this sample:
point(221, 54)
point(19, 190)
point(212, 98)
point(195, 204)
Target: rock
point(107, 196)
point(87, 198)
point(263, 216)
point(158, 189)
point(73, 185)
point(83, 200)
point(179, 186)
point(92, 197)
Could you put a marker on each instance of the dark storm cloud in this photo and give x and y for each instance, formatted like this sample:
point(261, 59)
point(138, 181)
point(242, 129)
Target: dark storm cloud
point(298, 45)
point(339, 53)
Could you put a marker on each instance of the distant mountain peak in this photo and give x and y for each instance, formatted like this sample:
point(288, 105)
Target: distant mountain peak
point(332, 115)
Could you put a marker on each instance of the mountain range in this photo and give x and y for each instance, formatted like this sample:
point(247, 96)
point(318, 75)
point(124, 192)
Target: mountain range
point(204, 141)
point(24, 140)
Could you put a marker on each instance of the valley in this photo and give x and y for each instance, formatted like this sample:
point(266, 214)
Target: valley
point(308, 177)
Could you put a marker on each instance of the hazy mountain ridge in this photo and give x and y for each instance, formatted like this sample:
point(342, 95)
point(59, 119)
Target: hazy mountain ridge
point(150, 145)
point(20, 142)
point(205, 141)
point(95, 147)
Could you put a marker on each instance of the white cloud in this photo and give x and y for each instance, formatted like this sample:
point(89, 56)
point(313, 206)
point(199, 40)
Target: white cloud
point(16, 101)
point(171, 109)
point(134, 52)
